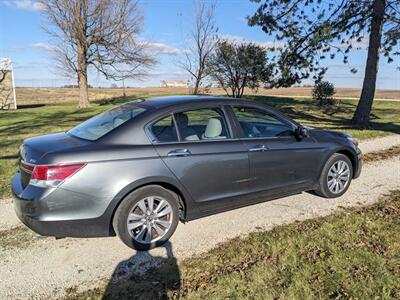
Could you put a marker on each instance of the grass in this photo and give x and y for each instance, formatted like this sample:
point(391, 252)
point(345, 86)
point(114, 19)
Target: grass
point(353, 254)
point(37, 119)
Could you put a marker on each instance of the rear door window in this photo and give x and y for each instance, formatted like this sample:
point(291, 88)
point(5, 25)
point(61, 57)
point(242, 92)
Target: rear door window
point(164, 130)
point(202, 124)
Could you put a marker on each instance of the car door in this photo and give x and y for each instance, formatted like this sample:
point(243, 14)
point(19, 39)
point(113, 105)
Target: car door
point(198, 147)
point(279, 162)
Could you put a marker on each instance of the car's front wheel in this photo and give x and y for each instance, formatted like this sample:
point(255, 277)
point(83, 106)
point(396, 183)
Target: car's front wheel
point(147, 217)
point(336, 176)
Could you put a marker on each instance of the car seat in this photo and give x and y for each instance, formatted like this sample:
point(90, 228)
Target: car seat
point(213, 130)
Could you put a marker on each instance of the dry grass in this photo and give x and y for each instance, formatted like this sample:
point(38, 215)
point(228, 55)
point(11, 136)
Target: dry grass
point(57, 95)
point(54, 95)
point(340, 93)
point(382, 155)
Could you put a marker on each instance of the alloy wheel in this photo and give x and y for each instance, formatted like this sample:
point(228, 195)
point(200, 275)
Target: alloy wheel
point(150, 219)
point(338, 176)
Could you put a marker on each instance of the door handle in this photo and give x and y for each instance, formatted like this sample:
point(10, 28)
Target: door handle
point(179, 152)
point(258, 148)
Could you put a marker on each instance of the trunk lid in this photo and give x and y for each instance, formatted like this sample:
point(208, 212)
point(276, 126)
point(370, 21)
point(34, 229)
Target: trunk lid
point(33, 149)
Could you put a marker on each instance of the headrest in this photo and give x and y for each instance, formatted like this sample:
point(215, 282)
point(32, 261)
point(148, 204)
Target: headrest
point(213, 129)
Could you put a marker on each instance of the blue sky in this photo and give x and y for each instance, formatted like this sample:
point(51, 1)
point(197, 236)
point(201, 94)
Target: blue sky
point(166, 23)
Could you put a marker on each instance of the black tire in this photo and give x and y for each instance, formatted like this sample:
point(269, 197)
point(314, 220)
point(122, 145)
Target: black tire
point(323, 189)
point(125, 207)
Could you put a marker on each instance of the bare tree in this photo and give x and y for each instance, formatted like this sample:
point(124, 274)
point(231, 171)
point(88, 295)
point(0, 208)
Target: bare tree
point(201, 42)
point(102, 34)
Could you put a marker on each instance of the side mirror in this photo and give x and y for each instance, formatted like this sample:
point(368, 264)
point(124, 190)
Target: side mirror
point(301, 132)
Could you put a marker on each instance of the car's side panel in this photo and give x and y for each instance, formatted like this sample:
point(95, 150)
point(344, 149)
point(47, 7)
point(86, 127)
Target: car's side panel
point(286, 163)
point(214, 172)
point(101, 182)
point(329, 141)
point(353, 156)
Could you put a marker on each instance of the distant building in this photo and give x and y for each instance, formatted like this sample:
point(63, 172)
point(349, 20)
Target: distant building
point(174, 83)
point(7, 87)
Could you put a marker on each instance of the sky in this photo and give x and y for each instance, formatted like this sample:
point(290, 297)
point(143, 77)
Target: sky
point(165, 27)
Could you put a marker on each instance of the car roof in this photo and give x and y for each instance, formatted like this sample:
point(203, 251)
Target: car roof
point(167, 101)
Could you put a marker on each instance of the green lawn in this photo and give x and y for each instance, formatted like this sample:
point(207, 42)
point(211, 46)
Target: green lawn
point(353, 254)
point(31, 120)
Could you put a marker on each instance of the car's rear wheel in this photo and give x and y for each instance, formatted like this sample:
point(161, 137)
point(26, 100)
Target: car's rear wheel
point(147, 217)
point(336, 176)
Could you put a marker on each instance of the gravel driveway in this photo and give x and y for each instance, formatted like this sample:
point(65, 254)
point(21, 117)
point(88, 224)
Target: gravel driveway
point(47, 266)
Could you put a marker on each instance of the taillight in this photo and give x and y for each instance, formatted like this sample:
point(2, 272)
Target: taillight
point(27, 167)
point(53, 175)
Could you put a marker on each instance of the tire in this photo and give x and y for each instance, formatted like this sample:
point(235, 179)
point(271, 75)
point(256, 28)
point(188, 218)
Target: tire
point(133, 205)
point(328, 190)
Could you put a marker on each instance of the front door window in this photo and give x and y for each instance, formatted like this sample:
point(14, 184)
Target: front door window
point(257, 123)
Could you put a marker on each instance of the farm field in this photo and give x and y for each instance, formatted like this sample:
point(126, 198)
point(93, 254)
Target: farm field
point(36, 119)
point(51, 95)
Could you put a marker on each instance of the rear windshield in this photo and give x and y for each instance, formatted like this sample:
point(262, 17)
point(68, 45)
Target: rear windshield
point(99, 125)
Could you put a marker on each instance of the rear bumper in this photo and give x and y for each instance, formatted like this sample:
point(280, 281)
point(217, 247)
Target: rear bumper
point(46, 212)
point(70, 228)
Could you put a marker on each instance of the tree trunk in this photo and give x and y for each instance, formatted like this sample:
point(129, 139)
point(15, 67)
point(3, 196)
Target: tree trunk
point(123, 88)
point(199, 77)
point(80, 36)
point(82, 78)
point(240, 92)
point(363, 111)
point(83, 90)
point(196, 87)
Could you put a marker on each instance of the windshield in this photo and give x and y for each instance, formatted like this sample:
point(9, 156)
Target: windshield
point(99, 125)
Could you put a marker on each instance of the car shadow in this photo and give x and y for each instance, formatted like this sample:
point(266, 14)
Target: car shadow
point(144, 276)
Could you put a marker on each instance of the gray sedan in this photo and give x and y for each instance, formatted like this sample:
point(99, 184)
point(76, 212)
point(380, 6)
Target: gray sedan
point(139, 168)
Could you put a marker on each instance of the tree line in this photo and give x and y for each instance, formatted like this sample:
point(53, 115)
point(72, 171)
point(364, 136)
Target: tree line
point(105, 35)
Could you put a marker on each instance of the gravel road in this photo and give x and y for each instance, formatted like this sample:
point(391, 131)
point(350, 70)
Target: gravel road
point(47, 267)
